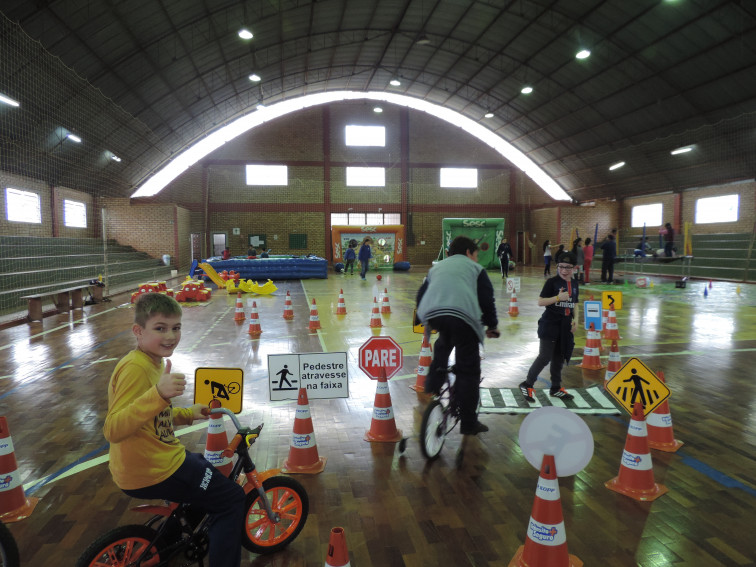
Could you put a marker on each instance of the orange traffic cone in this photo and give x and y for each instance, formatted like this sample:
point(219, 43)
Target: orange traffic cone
point(288, 313)
point(614, 362)
point(423, 365)
point(303, 452)
point(661, 436)
point(514, 311)
point(341, 307)
point(385, 303)
point(591, 363)
point(611, 331)
point(239, 314)
point(636, 474)
point(14, 505)
point(254, 322)
point(338, 555)
point(217, 441)
point(383, 425)
point(314, 319)
point(375, 316)
point(546, 543)
point(604, 319)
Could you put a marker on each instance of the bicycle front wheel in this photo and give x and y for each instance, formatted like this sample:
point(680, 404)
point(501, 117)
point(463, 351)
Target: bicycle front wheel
point(289, 501)
point(8, 549)
point(120, 547)
point(433, 429)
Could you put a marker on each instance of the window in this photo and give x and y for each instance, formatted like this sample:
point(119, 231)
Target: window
point(339, 219)
point(365, 177)
point(364, 219)
point(717, 209)
point(74, 214)
point(267, 175)
point(22, 206)
point(648, 215)
point(459, 178)
point(365, 136)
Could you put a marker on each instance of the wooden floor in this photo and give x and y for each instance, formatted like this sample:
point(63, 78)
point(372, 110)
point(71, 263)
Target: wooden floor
point(399, 510)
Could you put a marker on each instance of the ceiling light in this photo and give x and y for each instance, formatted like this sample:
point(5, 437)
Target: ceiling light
point(115, 157)
point(583, 54)
point(616, 165)
point(423, 40)
point(489, 115)
point(255, 77)
point(74, 138)
point(377, 110)
point(244, 33)
point(8, 100)
point(683, 150)
point(526, 90)
point(394, 82)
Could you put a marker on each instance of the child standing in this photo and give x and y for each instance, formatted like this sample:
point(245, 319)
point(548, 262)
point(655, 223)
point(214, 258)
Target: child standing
point(349, 258)
point(146, 459)
point(587, 259)
point(364, 256)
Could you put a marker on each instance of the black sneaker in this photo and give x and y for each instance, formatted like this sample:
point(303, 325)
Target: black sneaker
point(561, 393)
point(527, 392)
point(473, 429)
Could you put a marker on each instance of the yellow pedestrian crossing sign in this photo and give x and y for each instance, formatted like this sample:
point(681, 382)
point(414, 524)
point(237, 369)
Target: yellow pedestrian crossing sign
point(223, 384)
point(635, 382)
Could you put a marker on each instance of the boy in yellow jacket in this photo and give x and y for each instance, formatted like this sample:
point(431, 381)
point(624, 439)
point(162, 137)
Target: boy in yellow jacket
point(146, 459)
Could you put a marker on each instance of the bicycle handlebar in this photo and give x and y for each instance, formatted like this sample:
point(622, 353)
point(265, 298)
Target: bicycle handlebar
point(229, 413)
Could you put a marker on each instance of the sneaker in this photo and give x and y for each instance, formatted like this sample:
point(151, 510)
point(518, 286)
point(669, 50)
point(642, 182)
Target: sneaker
point(473, 429)
point(561, 393)
point(527, 392)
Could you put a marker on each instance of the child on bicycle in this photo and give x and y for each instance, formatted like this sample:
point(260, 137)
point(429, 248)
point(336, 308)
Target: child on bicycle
point(457, 300)
point(146, 459)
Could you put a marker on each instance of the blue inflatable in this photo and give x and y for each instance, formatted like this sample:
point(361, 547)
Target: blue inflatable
point(274, 268)
point(401, 266)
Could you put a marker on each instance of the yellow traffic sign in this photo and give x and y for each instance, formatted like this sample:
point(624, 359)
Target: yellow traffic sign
point(635, 382)
point(609, 297)
point(223, 384)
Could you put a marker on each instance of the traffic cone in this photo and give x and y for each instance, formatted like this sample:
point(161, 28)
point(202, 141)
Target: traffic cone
point(375, 316)
point(514, 311)
point(423, 365)
point(636, 474)
point(14, 505)
point(341, 307)
point(314, 319)
point(546, 544)
point(288, 312)
point(303, 452)
point(604, 319)
point(217, 441)
point(383, 425)
point(385, 303)
point(614, 362)
point(661, 436)
point(338, 555)
point(611, 331)
point(239, 314)
point(254, 322)
point(591, 363)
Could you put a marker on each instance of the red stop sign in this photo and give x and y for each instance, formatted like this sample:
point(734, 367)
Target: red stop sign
point(379, 353)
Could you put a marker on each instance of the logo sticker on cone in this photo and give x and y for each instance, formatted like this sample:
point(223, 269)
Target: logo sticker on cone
point(385, 303)
point(314, 319)
point(217, 441)
point(546, 542)
point(239, 313)
point(383, 425)
point(514, 311)
point(288, 312)
point(254, 322)
point(303, 452)
point(341, 306)
point(636, 474)
point(14, 505)
point(423, 365)
point(338, 555)
point(375, 316)
point(661, 436)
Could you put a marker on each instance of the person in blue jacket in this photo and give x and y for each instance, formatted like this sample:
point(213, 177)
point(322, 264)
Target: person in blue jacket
point(349, 257)
point(364, 256)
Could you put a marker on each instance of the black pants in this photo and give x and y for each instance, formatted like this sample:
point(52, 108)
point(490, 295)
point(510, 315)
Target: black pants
point(504, 266)
point(549, 351)
point(198, 482)
point(454, 333)
point(607, 270)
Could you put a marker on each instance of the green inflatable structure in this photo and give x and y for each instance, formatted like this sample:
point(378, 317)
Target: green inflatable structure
point(487, 234)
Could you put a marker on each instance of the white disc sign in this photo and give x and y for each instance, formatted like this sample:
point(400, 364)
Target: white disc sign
point(558, 432)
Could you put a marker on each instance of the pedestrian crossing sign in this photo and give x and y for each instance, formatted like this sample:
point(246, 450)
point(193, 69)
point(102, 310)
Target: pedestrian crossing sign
point(635, 382)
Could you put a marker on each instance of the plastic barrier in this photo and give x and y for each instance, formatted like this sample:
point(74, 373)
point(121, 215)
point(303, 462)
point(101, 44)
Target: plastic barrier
point(274, 268)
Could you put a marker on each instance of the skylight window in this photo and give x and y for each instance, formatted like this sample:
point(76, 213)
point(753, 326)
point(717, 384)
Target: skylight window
point(646, 215)
point(717, 209)
point(365, 135)
point(74, 214)
point(366, 177)
point(459, 178)
point(267, 175)
point(22, 206)
point(8, 100)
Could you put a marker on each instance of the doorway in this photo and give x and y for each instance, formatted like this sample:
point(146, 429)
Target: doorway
point(219, 243)
point(196, 246)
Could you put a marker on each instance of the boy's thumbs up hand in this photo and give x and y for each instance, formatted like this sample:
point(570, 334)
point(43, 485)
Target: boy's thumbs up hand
point(170, 384)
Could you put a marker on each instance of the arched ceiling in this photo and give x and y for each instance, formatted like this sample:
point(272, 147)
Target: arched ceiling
point(662, 74)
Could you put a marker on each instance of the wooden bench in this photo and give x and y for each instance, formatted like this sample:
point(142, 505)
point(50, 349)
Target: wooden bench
point(65, 299)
